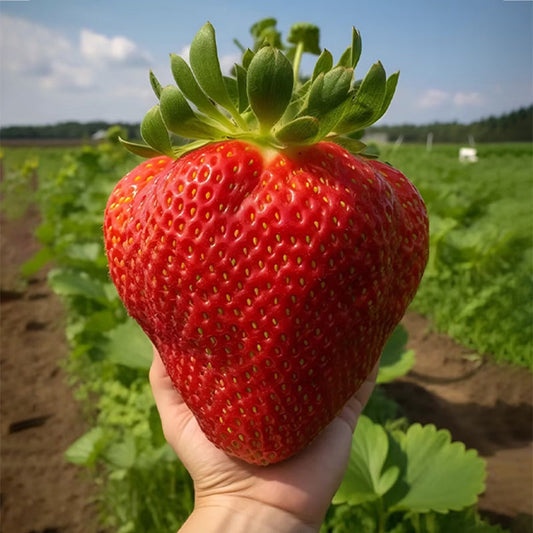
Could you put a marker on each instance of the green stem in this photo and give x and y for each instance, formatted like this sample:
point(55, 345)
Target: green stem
point(382, 516)
point(239, 120)
point(297, 60)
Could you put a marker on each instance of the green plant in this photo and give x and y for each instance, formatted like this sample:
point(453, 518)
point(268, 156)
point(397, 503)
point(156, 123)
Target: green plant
point(478, 286)
point(415, 480)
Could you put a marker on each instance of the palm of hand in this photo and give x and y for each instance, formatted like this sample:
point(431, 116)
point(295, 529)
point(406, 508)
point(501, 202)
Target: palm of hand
point(302, 486)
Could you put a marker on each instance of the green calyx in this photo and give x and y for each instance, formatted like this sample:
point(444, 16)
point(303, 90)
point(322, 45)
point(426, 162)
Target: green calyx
point(264, 101)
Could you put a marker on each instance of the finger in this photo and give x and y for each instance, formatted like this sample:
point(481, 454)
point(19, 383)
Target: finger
point(355, 405)
point(165, 395)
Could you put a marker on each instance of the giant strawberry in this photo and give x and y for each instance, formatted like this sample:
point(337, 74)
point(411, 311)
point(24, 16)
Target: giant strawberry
point(266, 260)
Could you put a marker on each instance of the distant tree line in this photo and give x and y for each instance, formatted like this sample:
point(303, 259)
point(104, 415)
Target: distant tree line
point(65, 130)
point(516, 126)
point(511, 127)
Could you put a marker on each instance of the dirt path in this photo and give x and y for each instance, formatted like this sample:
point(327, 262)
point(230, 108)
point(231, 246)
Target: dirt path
point(40, 492)
point(486, 406)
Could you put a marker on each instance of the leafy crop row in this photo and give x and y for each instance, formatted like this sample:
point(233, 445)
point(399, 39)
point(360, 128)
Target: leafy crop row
point(401, 478)
point(478, 286)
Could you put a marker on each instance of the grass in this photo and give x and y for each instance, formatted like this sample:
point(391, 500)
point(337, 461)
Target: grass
point(478, 285)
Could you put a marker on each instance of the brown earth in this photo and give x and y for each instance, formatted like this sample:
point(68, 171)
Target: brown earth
point(488, 407)
point(40, 492)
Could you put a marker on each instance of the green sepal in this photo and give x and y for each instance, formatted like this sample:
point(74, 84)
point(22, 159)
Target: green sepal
point(241, 74)
point(297, 103)
point(142, 150)
point(307, 35)
point(265, 99)
point(189, 87)
point(367, 101)
point(302, 130)
point(356, 48)
point(328, 91)
point(180, 118)
point(183, 149)
point(154, 132)
point(350, 56)
point(156, 86)
point(233, 91)
point(204, 62)
point(353, 146)
point(247, 58)
point(324, 64)
point(392, 82)
point(269, 86)
point(345, 60)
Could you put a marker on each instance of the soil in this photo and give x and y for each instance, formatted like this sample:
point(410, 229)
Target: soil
point(40, 491)
point(489, 407)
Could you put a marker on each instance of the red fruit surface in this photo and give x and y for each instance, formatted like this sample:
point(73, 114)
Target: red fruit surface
point(268, 281)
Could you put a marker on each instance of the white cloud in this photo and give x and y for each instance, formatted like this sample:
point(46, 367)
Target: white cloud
point(30, 48)
point(433, 98)
point(65, 76)
point(185, 51)
point(468, 99)
point(91, 77)
point(438, 99)
point(100, 49)
point(228, 61)
point(36, 52)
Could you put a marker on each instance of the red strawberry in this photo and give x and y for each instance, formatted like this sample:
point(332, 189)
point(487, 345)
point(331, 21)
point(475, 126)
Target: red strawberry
point(269, 270)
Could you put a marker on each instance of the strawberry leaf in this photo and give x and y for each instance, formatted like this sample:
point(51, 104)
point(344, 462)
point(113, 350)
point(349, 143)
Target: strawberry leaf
point(392, 82)
point(142, 150)
point(122, 454)
point(270, 83)
point(85, 450)
point(300, 130)
point(328, 91)
point(179, 117)
point(345, 60)
point(265, 32)
point(156, 86)
point(367, 477)
point(367, 101)
point(324, 64)
point(264, 100)
point(395, 360)
point(440, 475)
point(356, 48)
point(204, 62)
point(247, 58)
point(193, 92)
point(306, 35)
point(76, 283)
point(154, 132)
point(129, 346)
point(240, 73)
point(353, 146)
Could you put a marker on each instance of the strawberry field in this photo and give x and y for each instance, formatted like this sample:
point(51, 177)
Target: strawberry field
point(478, 286)
point(477, 289)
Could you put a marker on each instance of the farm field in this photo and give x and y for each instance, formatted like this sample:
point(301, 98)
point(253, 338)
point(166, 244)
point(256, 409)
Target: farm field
point(477, 289)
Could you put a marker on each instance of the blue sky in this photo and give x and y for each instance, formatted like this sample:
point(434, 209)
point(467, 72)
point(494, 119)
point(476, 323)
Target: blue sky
point(89, 59)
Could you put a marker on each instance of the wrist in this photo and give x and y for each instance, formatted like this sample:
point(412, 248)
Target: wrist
point(228, 514)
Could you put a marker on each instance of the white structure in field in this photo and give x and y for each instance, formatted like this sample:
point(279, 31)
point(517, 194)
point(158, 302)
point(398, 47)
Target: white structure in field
point(467, 155)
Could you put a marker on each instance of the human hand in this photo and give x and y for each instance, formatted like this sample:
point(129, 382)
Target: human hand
point(231, 495)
